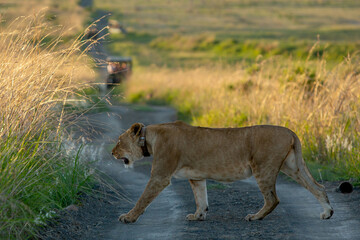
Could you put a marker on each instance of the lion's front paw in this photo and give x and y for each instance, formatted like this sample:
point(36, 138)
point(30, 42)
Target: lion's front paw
point(196, 217)
point(190, 217)
point(125, 218)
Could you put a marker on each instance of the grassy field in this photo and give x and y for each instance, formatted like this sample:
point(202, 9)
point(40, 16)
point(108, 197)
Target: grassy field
point(188, 33)
point(41, 78)
point(237, 63)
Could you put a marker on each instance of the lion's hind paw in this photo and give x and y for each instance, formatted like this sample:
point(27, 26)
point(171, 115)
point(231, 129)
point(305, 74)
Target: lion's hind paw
point(196, 217)
point(326, 214)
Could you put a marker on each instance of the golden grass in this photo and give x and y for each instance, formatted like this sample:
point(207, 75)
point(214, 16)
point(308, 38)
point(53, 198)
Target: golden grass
point(37, 78)
point(322, 106)
point(34, 77)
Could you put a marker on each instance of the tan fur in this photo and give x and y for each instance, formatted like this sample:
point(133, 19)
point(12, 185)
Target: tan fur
point(226, 155)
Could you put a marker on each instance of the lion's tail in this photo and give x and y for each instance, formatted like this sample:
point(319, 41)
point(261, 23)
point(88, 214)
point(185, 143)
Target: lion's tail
point(301, 163)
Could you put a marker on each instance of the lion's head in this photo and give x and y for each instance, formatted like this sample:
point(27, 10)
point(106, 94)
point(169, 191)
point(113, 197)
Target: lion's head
point(128, 146)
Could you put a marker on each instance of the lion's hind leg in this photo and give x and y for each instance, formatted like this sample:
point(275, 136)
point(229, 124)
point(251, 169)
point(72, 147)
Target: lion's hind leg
point(267, 188)
point(200, 194)
point(297, 170)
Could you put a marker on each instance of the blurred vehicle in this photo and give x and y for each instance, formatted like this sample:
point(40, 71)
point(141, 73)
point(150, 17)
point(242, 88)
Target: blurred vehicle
point(119, 69)
point(116, 27)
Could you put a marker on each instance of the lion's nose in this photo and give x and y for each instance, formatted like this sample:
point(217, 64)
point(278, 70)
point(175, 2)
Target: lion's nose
point(112, 153)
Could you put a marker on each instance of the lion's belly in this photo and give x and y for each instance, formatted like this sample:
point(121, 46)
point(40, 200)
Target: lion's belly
point(218, 174)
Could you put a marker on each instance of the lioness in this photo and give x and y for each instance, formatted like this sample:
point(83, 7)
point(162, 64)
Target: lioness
point(222, 154)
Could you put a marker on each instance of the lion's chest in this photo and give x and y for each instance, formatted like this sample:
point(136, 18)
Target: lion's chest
point(219, 174)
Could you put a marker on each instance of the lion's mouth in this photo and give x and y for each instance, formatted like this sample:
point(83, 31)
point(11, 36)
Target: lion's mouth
point(125, 160)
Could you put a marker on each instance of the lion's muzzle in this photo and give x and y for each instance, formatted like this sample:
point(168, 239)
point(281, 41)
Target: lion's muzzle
point(124, 159)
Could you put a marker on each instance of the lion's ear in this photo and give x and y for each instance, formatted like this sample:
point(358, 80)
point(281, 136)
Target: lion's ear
point(136, 129)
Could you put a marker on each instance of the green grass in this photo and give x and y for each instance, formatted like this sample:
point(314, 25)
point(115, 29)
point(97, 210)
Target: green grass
point(337, 158)
point(323, 172)
point(250, 50)
point(37, 177)
point(217, 186)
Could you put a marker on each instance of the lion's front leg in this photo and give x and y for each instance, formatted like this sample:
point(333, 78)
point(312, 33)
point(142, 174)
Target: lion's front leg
point(153, 188)
point(200, 194)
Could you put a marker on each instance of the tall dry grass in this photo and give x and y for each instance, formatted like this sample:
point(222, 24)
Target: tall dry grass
point(320, 104)
point(37, 77)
